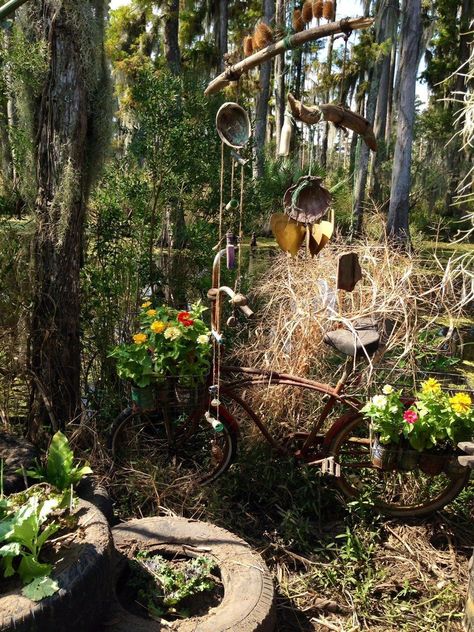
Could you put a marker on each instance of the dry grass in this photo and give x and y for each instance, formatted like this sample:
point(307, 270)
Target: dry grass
point(406, 293)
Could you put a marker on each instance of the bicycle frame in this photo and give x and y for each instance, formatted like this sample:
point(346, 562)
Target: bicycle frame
point(254, 376)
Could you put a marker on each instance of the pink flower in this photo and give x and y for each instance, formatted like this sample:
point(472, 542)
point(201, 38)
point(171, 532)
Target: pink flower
point(410, 416)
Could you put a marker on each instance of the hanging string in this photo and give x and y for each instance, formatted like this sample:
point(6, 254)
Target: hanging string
point(241, 215)
point(216, 352)
point(232, 176)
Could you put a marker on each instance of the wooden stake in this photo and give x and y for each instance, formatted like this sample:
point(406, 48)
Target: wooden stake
point(233, 73)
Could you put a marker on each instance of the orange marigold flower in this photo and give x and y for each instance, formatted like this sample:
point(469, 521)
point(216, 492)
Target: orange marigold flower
point(139, 339)
point(158, 327)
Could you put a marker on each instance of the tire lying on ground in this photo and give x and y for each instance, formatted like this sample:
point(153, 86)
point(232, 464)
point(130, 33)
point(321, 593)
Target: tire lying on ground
point(248, 602)
point(84, 574)
point(16, 453)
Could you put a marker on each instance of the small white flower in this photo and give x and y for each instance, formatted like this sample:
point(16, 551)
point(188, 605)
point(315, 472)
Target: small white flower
point(202, 339)
point(172, 333)
point(387, 389)
point(379, 401)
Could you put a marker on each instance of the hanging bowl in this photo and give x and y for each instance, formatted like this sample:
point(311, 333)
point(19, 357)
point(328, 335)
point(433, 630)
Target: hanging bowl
point(307, 200)
point(233, 125)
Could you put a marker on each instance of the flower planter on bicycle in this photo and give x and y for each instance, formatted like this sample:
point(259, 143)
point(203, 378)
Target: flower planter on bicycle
point(169, 364)
point(420, 433)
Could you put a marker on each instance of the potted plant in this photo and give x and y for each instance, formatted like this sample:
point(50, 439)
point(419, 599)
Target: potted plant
point(170, 356)
point(54, 548)
point(385, 412)
point(431, 425)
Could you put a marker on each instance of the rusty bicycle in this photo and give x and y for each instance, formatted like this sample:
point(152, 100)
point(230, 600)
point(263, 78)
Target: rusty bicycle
point(201, 437)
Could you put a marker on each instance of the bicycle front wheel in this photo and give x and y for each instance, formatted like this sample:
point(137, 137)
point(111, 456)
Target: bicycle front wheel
point(199, 450)
point(401, 494)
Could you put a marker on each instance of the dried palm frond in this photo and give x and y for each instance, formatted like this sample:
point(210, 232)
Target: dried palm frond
point(297, 304)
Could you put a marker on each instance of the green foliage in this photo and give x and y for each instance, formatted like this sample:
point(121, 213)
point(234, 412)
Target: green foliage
point(60, 470)
point(170, 584)
point(24, 530)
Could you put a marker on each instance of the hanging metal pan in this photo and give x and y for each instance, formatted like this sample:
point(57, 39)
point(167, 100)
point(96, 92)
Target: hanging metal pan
point(233, 125)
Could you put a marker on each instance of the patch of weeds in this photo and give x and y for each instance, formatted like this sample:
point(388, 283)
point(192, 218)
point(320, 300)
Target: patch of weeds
point(163, 588)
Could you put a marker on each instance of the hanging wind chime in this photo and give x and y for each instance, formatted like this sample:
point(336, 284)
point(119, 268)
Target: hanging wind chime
point(233, 127)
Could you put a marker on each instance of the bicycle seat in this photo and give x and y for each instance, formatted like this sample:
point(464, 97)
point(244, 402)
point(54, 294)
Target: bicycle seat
point(363, 341)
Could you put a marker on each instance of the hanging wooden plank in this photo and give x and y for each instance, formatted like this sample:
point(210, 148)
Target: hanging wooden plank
point(234, 72)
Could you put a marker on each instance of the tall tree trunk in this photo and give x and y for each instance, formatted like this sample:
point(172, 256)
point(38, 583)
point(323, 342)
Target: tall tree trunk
point(261, 113)
point(171, 41)
point(390, 95)
point(389, 18)
point(64, 122)
point(361, 175)
point(222, 43)
point(397, 223)
point(279, 72)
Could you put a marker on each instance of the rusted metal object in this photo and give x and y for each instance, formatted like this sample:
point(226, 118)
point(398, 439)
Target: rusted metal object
point(307, 200)
point(10, 7)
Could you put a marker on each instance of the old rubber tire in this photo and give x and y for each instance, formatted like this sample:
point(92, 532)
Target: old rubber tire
point(91, 490)
point(248, 603)
point(84, 574)
point(16, 453)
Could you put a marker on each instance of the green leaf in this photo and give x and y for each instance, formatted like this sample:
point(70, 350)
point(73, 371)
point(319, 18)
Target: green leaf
point(46, 509)
point(40, 588)
point(30, 568)
point(48, 531)
point(60, 461)
point(10, 550)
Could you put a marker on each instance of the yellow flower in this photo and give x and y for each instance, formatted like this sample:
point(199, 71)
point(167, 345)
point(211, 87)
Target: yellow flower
point(172, 333)
point(461, 403)
point(146, 304)
point(158, 327)
point(202, 339)
point(139, 339)
point(387, 389)
point(431, 386)
point(151, 312)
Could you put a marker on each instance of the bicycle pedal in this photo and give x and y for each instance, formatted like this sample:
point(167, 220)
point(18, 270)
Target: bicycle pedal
point(328, 466)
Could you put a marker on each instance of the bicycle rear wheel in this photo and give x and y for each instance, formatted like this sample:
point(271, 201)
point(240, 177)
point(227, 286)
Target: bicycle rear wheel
point(199, 451)
point(395, 493)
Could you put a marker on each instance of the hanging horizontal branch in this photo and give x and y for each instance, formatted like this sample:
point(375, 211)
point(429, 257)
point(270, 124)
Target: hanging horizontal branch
point(234, 72)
